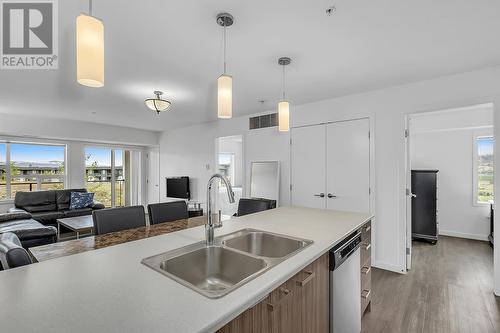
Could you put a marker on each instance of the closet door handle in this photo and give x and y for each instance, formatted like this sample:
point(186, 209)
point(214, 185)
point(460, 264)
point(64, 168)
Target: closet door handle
point(321, 195)
point(331, 195)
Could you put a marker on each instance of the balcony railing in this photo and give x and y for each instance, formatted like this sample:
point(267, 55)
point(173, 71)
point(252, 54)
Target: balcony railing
point(101, 188)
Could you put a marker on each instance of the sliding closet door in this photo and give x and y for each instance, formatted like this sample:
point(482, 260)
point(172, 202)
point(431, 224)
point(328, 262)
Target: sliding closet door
point(308, 162)
point(348, 165)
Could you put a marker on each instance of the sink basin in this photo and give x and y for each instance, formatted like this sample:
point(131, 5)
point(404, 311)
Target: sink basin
point(235, 259)
point(213, 269)
point(264, 244)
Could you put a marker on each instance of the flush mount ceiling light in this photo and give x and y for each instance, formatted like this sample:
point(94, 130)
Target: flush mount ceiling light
point(89, 50)
point(283, 105)
point(225, 82)
point(157, 104)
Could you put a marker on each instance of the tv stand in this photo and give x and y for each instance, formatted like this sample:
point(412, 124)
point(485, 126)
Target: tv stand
point(194, 209)
point(193, 212)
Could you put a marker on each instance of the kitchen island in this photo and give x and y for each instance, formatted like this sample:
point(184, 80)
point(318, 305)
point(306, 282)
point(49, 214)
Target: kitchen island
point(109, 290)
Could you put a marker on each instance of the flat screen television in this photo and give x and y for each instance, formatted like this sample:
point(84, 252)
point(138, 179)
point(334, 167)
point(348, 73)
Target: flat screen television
point(178, 187)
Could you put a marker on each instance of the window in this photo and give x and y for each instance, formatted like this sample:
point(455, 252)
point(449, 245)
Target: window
point(483, 169)
point(30, 167)
point(3, 172)
point(105, 175)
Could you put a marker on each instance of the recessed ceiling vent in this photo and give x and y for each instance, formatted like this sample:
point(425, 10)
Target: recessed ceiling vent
point(267, 120)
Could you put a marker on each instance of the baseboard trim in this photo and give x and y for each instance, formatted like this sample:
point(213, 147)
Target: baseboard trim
point(388, 267)
point(463, 235)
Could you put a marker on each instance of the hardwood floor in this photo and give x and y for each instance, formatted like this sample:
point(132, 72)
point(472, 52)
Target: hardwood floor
point(449, 289)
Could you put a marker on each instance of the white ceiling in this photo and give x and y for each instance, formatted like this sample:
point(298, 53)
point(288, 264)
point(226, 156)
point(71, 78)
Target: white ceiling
point(176, 46)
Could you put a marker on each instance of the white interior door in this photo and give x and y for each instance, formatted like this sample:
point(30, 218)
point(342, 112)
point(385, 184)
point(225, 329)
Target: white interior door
point(348, 165)
point(153, 174)
point(308, 166)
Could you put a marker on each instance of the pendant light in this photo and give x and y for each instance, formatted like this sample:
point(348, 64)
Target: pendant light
point(283, 105)
point(157, 104)
point(225, 82)
point(89, 50)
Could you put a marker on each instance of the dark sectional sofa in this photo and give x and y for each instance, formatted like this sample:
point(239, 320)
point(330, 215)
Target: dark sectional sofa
point(33, 219)
point(30, 232)
point(48, 206)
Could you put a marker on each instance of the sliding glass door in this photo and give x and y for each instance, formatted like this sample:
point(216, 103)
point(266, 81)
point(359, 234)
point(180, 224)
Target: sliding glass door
point(105, 175)
point(4, 192)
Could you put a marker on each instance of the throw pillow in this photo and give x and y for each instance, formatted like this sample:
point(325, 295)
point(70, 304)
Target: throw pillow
point(80, 200)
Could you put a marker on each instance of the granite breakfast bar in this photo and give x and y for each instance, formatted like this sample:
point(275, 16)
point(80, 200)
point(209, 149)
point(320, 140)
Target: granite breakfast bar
point(109, 290)
point(66, 248)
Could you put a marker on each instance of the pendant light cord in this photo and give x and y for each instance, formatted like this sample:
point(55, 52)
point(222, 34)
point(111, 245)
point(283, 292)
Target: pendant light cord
point(90, 7)
point(224, 33)
point(283, 82)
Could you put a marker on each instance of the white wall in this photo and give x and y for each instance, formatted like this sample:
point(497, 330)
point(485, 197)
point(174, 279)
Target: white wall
point(496, 253)
point(187, 150)
point(185, 154)
point(75, 135)
point(61, 129)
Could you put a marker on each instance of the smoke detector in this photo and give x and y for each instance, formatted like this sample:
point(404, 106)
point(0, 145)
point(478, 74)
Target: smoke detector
point(330, 10)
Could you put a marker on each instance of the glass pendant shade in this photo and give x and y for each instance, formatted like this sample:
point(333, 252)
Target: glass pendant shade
point(90, 51)
point(157, 105)
point(284, 116)
point(225, 96)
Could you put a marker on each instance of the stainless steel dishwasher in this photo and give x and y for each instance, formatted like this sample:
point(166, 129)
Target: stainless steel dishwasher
point(345, 286)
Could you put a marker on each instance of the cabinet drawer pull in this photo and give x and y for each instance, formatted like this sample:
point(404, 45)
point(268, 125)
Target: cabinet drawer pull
point(310, 275)
point(367, 246)
point(365, 294)
point(368, 228)
point(366, 270)
point(287, 293)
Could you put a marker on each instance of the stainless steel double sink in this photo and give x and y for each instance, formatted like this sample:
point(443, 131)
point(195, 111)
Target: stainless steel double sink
point(235, 259)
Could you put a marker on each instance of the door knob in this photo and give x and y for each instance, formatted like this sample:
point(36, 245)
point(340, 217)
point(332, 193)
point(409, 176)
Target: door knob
point(413, 195)
point(331, 195)
point(321, 195)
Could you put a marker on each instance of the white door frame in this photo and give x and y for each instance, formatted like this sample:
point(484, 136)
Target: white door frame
point(371, 152)
point(408, 191)
point(407, 143)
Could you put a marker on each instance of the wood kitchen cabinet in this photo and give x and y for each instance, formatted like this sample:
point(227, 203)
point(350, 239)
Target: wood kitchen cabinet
point(300, 305)
point(366, 268)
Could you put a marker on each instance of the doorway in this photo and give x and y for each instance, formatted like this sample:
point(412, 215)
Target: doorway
point(229, 163)
point(449, 175)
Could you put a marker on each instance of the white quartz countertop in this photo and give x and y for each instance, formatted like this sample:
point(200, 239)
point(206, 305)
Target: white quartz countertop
point(109, 290)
